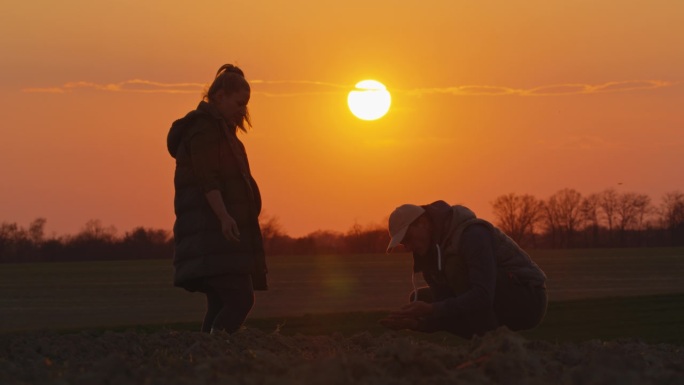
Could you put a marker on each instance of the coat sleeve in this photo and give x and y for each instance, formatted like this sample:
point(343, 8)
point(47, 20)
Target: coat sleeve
point(477, 251)
point(205, 156)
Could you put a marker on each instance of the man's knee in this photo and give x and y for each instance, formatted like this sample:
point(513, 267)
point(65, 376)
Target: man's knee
point(524, 312)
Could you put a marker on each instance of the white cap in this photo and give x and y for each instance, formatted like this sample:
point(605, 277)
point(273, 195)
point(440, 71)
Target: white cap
point(399, 221)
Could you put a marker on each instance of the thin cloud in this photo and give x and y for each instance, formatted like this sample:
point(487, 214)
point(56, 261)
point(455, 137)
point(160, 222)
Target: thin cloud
point(462, 90)
point(290, 88)
point(135, 85)
point(284, 88)
point(266, 87)
point(304, 82)
point(582, 143)
point(50, 90)
point(549, 90)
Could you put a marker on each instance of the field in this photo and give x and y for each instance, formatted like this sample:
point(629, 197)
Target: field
point(615, 316)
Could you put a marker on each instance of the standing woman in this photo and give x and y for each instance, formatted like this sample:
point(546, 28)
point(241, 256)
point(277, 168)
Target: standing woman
point(218, 245)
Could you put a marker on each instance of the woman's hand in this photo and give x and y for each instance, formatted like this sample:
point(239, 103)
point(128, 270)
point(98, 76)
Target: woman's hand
point(230, 229)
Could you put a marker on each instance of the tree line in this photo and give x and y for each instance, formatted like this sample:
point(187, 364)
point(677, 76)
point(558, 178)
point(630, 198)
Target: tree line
point(566, 219)
point(96, 242)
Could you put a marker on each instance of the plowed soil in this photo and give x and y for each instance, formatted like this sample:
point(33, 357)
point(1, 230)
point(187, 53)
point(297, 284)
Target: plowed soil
point(253, 356)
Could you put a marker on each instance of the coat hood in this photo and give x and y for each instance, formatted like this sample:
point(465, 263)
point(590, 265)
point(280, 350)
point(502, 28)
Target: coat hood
point(180, 127)
point(177, 132)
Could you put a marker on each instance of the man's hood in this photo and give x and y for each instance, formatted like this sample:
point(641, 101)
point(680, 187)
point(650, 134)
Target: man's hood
point(460, 214)
point(444, 219)
point(438, 212)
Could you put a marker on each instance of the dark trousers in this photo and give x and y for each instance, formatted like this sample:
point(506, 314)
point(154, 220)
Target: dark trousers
point(229, 300)
point(517, 306)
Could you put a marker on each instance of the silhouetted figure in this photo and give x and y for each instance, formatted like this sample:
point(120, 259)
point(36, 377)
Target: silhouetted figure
point(478, 277)
point(218, 244)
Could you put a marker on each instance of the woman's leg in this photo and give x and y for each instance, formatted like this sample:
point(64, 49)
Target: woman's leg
point(214, 305)
point(236, 296)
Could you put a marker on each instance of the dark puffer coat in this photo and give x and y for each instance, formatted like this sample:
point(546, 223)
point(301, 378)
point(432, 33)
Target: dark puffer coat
point(211, 157)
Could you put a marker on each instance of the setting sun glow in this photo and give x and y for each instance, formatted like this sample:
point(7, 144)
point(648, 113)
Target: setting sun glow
point(370, 100)
point(524, 97)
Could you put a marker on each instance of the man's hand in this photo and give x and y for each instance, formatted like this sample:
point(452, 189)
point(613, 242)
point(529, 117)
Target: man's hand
point(395, 323)
point(415, 309)
point(407, 316)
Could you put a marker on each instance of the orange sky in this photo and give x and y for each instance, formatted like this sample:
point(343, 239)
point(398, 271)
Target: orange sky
point(489, 97)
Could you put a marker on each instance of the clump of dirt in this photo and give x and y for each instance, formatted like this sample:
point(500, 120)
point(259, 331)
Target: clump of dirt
point(255, 357)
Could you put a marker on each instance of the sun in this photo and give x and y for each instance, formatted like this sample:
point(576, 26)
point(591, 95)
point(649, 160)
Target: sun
point(370, 100)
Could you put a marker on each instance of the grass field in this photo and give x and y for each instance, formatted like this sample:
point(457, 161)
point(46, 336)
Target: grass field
point(652, 319)
point(594, 294)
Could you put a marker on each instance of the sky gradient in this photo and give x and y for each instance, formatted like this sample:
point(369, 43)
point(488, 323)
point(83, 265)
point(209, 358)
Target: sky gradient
point(489, 98)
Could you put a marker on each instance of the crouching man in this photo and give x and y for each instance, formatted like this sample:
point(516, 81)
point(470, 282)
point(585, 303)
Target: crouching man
point(478, 278)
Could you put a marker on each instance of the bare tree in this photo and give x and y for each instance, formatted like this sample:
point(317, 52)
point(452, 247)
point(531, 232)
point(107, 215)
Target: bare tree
point(672, 213)
point(551, 221)
point(93, 230)
point(672, 209)
point(569, 213)
point(270, 226)
point(142, 243)
point(590, 214)
point(608, 202)
point(631, 212)
point(644, 210)
point(20, 245)
point(371, 238)
point(504, 209)
point(37, 230)
point(326, 241)
point(517, 216)
point(271, 231)
point(10, 234)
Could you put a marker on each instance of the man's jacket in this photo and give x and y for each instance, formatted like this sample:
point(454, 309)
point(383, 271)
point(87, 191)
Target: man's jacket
point(469, 256)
